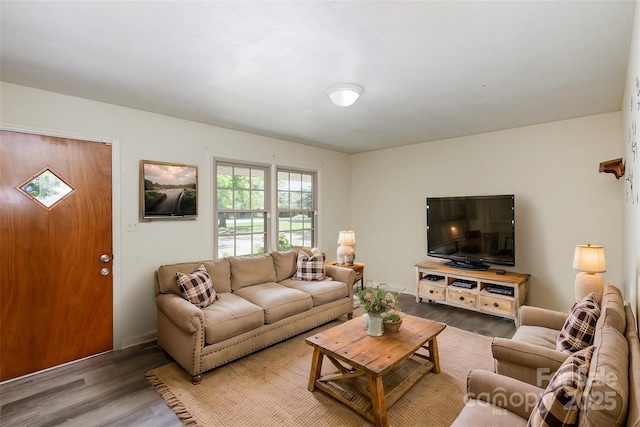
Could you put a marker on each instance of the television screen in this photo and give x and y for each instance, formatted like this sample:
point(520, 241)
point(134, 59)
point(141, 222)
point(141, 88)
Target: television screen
point(472, 231)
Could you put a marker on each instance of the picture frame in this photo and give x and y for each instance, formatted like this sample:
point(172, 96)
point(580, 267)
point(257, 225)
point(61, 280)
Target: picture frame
point(168, 190)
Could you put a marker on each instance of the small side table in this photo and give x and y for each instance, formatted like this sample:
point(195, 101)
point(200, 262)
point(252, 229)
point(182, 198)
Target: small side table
point(357, 267)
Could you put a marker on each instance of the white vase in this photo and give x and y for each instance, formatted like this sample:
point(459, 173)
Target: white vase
point(374, 324)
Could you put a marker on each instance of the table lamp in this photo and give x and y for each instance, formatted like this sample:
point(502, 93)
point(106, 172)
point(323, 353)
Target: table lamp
point(589, 260)
point(346, 253)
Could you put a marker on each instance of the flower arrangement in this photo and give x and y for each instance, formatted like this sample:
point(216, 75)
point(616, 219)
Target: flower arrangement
point(377, 300)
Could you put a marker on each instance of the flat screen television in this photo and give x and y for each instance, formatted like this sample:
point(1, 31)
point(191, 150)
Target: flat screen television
point(472, 232)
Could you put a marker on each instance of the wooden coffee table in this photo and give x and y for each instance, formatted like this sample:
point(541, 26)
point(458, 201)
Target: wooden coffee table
point(374, 372)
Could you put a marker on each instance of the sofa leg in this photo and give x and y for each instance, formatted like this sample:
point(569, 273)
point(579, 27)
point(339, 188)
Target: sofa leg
point(195, 380)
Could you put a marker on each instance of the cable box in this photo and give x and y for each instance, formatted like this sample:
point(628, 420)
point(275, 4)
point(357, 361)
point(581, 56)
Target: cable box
point(502, 290)
point(467, 284)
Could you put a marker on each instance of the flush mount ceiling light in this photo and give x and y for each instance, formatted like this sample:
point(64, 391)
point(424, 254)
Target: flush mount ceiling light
point(345, 94)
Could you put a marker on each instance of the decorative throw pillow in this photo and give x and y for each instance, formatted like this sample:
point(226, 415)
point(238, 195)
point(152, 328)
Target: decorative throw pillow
point(310, 267)
point(580, 327)
point(561, 402)
point(197, 287)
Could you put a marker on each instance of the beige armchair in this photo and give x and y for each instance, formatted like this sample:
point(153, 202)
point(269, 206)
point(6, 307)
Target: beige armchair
point(531, 355)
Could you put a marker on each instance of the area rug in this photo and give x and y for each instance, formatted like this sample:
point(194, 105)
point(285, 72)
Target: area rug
point(269, 388)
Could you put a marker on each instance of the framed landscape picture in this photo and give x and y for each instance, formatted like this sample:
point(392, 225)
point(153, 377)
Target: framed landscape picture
point(168, 190)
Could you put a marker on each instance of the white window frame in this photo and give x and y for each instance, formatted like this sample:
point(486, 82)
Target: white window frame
point(313, 212)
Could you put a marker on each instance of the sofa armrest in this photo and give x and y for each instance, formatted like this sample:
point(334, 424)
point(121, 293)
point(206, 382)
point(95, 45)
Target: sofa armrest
point(504, 392)
point(526, 362)
point(536, 316)
point(181, 312)
point(341, 274)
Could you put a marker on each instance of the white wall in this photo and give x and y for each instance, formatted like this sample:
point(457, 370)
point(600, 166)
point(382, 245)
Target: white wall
point(142, 135)
point(561, 199)
point(631, 155)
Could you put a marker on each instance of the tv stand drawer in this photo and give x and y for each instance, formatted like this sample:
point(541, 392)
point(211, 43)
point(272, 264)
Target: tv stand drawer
point(458, 297)
point(496, 305)
point(431, 291)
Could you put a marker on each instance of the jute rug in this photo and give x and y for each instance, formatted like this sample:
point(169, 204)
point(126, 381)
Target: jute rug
point(269, 388)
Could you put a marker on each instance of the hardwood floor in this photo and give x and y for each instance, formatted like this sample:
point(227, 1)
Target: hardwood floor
point(111, 390)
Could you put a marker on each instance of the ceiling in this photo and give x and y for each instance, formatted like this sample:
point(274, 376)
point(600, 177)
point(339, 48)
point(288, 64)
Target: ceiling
point(431, 70)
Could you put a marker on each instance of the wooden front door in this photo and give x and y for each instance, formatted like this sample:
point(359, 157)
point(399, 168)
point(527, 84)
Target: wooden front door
point(56, 303)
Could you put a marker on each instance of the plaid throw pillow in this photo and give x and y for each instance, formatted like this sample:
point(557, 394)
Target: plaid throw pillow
point(197, 287)
point(561, 402)
point(310, 267)
point(579, 328)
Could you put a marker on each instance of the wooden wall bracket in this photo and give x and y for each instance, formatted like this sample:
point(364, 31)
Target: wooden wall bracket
point(615, 166)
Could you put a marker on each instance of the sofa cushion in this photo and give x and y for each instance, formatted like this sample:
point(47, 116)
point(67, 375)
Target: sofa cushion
point(607, 389)
point(218, 271)
point(612, 307)
point(560, 402)
point(322, 292)
point(230, 316)
point(285, 264)
point(310, 267)
point(537, 335)
point(197, 287)
point(579, 328)
point(276, 300)
point(251, 270)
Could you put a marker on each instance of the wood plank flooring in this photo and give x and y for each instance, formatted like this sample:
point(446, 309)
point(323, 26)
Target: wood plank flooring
point(111, 390)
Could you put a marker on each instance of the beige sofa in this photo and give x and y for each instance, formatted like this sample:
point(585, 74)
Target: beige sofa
point(611, 395)
point(259, 305)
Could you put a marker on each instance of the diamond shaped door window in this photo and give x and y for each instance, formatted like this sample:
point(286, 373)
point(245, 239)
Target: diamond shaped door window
point(46, 188)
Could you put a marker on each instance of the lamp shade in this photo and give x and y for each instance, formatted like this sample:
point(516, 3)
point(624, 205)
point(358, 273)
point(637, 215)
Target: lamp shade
point(589, 258)
point(347, 238)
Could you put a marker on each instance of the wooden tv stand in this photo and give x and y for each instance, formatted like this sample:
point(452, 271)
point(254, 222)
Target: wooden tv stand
point(435, 282)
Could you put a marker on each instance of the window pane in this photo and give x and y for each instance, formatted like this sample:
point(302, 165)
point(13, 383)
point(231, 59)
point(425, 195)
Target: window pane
point(224, 199)
point(307, 182)
point(257, 179)
point(257, 200)
point(259, 223)
point(241, 178)
point(297, 238)
point(307, 200)
point(225, 246)
point(283, 200)
point(224, 177)
point(295, 181)
point(283, 180)
point(241, 200)
point(296, 200)
point(284, 222)
point(225, 223)
point(258, 243)
point(243, 244)
point(308, 238)
point(284, 240)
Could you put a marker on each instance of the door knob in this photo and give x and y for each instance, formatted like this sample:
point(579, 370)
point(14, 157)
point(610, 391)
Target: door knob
point(105, 271)
point(105, 258)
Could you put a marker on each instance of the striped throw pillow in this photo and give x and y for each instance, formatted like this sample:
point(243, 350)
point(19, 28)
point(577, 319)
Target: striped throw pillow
point(197, 287)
